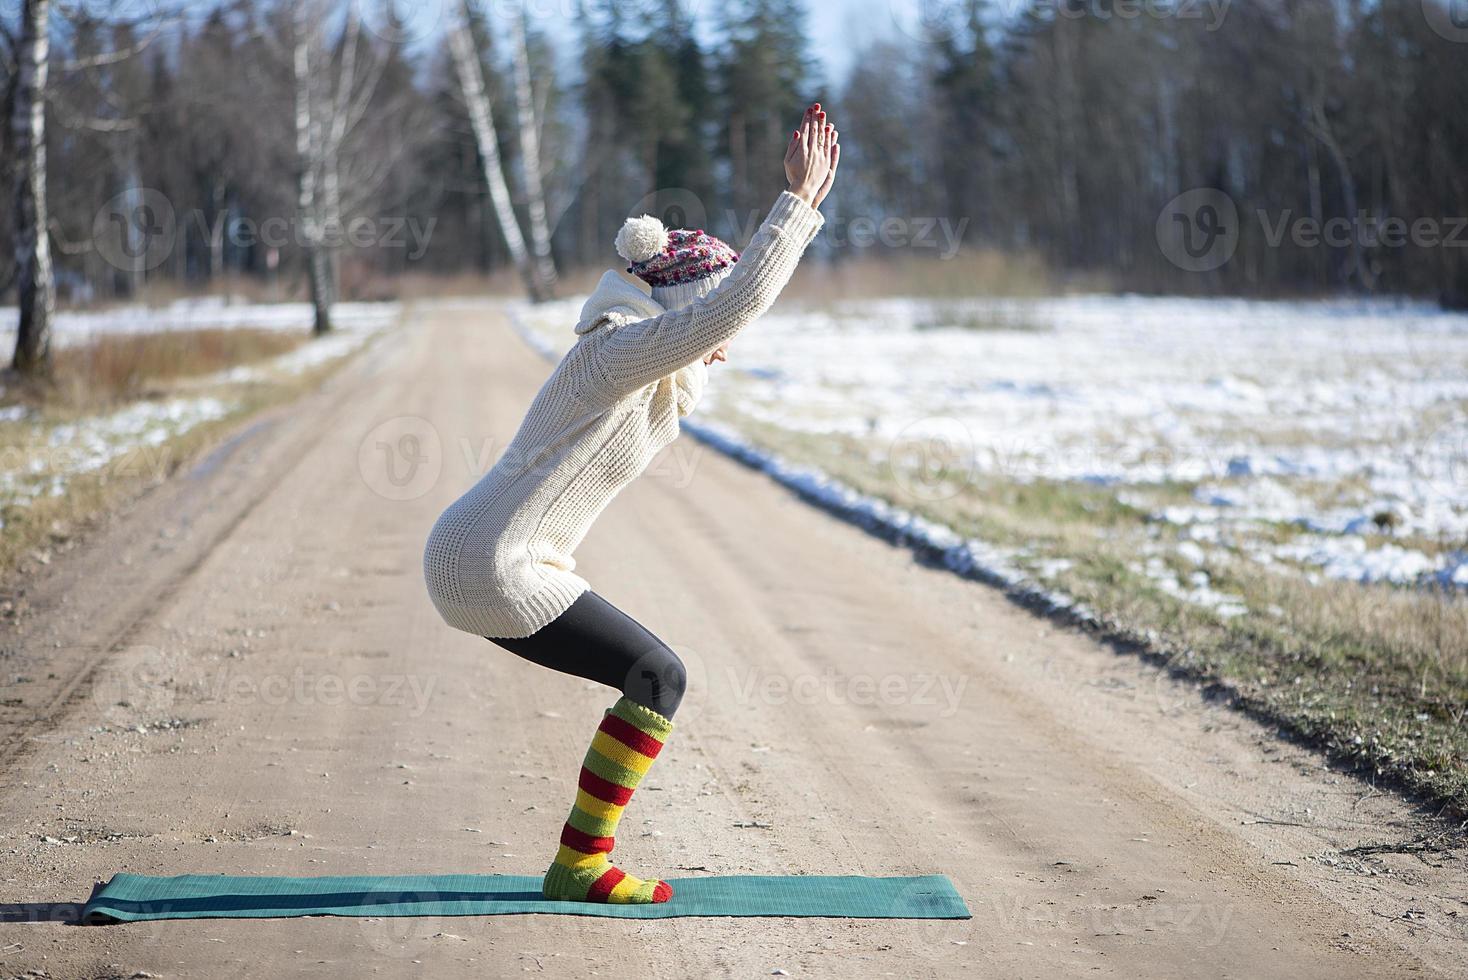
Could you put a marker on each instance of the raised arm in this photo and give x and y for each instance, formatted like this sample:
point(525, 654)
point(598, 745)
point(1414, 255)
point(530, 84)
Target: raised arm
point(641, 352)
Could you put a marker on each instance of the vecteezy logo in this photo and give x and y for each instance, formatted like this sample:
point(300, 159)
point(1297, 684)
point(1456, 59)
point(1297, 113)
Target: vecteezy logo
point(1447, 18)
point(401, 923)
point(654, 672)
point(401, 23)
point(137, 681)
point(1441, 462)
point(926, 20)
point(1198, 231)
point(401, 459)
point(932, 458)
point(135, 231)
point(675, 207)
point(117, 10)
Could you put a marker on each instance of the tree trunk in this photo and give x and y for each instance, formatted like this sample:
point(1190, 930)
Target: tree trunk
point(308, 144)
point(216, 232)
point(471, 82)
point(543, 262)
point(1067, 125)
point(332, 224)
point(738, 161)
point(1319, 124)
point(35, 289)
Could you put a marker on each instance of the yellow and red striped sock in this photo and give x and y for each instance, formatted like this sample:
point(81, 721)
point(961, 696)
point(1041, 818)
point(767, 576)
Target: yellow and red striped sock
point(629, 738)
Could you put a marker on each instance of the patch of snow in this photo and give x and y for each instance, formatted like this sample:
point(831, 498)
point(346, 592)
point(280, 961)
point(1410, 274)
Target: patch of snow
point(346, 337)
point(1192, 552)
point(1053, 567)
point(1350, 559)
point(1342, 419)
point(204, 313)
point(88, 445)
point(1454, 572)
point(1197, 591)
point(45, 464)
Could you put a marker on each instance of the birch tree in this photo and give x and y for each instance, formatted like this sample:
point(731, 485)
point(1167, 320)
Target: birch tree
point(35, 288)
point(481, 118)
point(348, 141)
point(310, 164)
point(543, 263)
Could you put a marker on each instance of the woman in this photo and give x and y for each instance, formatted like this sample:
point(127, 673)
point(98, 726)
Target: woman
point(498, 562)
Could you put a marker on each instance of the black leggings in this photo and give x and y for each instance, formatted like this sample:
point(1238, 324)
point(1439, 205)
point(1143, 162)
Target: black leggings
point(596, 640)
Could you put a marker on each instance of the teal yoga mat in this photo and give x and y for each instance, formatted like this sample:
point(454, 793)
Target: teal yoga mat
point(133, 898)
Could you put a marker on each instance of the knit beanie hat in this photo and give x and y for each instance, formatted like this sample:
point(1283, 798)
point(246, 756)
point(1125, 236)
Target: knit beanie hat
point(664, 258)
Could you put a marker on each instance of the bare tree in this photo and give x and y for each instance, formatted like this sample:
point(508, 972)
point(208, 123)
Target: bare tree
point(310, 164)
point(471, 84)
point(341, 159)
point(346, 187)
point(35, 288)
point(540, 236)
point(1318, 124)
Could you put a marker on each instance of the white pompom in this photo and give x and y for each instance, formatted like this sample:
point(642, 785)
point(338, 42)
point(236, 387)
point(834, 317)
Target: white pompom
point(641, 238)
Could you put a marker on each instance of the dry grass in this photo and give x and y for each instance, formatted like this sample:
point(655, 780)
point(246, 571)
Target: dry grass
point(46, 525)
point(114, 368)
point(970, 273)
point(105, 375)
point(503, 283)
point(157, 293)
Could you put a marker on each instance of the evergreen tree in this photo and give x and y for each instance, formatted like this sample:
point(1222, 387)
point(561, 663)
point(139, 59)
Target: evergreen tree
point(766, 77)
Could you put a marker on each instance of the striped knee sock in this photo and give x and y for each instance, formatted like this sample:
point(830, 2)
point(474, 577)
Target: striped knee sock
point(629, 738)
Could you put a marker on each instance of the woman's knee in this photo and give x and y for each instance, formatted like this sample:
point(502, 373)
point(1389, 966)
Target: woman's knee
point(675, 675)
point(657, 680)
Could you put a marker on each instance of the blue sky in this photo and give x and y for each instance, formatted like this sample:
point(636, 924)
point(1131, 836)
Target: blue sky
point(838, 31)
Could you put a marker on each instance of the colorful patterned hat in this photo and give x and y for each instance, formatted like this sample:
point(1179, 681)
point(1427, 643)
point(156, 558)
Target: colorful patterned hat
point(661, 257)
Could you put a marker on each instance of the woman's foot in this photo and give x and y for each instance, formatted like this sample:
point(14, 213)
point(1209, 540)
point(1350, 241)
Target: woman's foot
point(630, 737)
point(601, 881)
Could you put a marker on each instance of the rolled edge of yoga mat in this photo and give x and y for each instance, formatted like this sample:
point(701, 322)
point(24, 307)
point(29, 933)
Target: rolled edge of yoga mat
point(135, 898)
point(88, 916)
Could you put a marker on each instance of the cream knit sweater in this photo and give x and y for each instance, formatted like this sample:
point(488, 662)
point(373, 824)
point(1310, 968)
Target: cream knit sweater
point(498, 561)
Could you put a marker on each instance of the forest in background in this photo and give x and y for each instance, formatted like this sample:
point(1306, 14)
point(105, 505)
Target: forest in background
point(330, 146)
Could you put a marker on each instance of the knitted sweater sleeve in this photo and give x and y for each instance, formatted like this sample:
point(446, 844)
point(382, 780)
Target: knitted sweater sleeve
point(689, 382)
point(638, 353)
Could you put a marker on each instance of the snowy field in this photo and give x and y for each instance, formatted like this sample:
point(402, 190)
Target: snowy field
point(1328, 440)
point(208, 313)
point(40, 457)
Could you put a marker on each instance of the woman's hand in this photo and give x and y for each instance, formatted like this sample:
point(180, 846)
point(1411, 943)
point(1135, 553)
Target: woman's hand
point(811, 158)
point(720, 353)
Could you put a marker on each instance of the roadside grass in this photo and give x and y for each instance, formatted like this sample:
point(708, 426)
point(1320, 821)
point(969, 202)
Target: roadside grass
point(112, 368)
point(971, 272)
point(981, 319)
point(1376, 675)
point(48, 503)
point(157, 293)
point(44, 525)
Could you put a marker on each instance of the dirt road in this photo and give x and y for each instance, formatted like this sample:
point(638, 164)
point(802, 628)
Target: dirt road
point(245, 675)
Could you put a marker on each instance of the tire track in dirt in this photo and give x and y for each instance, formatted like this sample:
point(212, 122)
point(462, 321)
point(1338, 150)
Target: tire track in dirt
point(200, 508)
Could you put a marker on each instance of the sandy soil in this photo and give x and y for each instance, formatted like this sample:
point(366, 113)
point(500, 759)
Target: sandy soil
point(243, 674)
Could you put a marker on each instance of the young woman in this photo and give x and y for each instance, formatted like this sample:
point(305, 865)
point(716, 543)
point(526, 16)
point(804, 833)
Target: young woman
point(498, 562)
